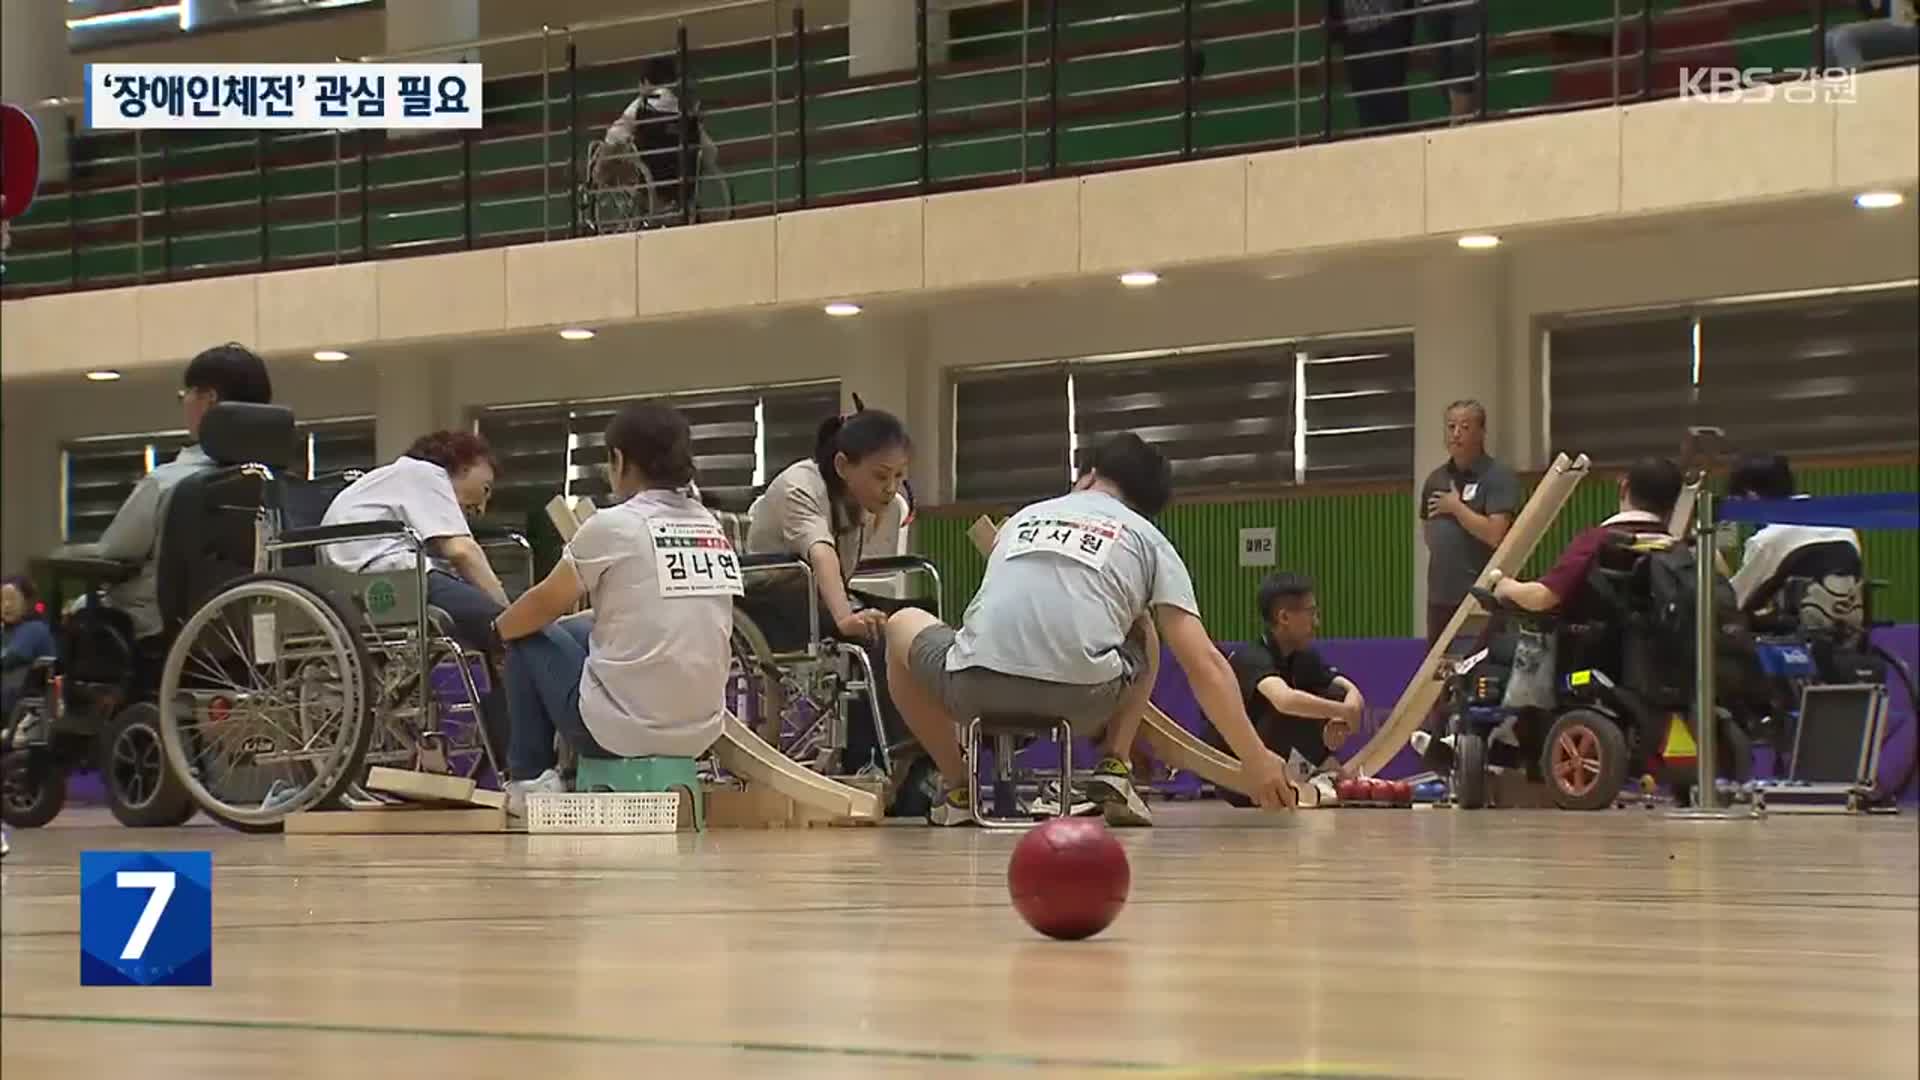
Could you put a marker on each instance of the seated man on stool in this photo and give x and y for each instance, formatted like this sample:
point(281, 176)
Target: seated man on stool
point(1063, 625)
point(1299, 704)
point(227, 372)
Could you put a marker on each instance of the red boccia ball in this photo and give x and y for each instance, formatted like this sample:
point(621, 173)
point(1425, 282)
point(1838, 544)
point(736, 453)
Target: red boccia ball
point(1403, 792)
point(1069, 878)
point(1348, 790)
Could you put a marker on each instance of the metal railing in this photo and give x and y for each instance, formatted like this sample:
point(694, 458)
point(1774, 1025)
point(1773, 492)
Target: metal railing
point(1027, 89)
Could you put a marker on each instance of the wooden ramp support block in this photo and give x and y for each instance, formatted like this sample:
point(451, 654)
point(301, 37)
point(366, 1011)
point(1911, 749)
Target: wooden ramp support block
point(768, 774)
point(433, 787)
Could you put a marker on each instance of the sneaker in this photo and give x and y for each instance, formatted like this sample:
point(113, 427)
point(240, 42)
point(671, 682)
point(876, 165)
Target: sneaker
point(1111, 785)
point(1047, 802)
point(547, 783)
point(281, 793)
point(954, 808)
point(1436, 754)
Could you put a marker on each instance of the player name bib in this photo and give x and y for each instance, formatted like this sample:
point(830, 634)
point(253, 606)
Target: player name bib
point(693, 558)
point(1087, 539)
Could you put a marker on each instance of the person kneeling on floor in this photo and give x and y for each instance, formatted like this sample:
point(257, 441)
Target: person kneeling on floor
point(1064, 625)
point(1299, 704)
point(645, 675)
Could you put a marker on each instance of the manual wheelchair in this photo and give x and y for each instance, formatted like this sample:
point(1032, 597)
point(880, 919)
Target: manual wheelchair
point(1614, 704)
point(632, 186)
point(279, 679)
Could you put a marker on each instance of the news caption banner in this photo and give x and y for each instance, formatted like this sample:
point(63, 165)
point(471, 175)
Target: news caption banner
point(146, 918)
point(302, 97)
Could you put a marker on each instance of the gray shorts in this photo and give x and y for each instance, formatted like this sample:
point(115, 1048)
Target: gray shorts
point(973, 692)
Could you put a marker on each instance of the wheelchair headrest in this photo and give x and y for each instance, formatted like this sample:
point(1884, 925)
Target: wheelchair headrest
point(241, 433)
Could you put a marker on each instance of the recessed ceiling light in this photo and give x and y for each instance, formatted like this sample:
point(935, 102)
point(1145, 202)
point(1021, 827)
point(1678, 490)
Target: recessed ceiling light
point(840, 309)
point(329, 356)
point(576, 333)
point(103, 376)
point(1139, 279)
point(1878, 200)
point(1479, 241)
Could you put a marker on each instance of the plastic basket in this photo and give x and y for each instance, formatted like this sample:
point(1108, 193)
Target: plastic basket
point(603, 812)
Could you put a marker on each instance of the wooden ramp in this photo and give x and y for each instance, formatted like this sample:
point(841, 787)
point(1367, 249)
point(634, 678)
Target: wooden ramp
point(752, 759)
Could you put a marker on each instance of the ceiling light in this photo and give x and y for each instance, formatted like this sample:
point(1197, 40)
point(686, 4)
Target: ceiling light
point(576, 333)
point(1479, 241)
point(329, 356)
point(1878, 200)
point(1139, 279)
point(840, 309)
point(103, 376)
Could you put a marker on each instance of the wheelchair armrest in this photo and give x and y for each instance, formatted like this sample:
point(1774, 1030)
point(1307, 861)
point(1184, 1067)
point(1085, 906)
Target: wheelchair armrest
point(333, 534)
point(92, 569)
point(778, 560)
point(893, 564)
point(498, 534)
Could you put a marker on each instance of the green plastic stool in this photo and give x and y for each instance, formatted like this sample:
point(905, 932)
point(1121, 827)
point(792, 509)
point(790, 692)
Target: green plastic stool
point(644, 774)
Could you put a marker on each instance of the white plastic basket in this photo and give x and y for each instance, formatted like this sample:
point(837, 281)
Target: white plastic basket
point(603, 812)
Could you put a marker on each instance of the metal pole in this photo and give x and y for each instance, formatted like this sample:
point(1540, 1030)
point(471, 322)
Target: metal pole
point(1646, 49)
point(920, 67)
point(73, 233)
point(139, 209)
point(1705, 637)
point(1480, 74)
point(573, 137)
point(260, 177)
point(366, 205)
point(466, 186)
point(336, 195)
point(1294, 73)
point(682, 56)
point(1614, 67)
point(1326, 78)
point(166, 216)
point(799, 107)
point(546, 135)
point(1186, 79)
point(773, 106)
point(1053, 87)
point(1026, 31)
point(1820, 37)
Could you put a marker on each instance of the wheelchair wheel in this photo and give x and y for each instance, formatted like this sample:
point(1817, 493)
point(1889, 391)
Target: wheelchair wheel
point(1584, 760)
point(1470, 771)
point(265, 702)
point(142, 790)
point(33, 788)
point(756, 690)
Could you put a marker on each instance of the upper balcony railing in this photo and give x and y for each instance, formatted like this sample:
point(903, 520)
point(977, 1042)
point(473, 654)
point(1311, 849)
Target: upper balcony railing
point(1026, 89)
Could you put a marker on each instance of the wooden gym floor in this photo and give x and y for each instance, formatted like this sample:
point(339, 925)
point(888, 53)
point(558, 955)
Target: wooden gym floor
point(1527, 944)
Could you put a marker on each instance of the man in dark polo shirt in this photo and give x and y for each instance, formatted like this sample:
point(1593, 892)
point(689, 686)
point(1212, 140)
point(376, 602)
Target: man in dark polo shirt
point(1296, 700)
point(1647, 495)
point(1468, 505)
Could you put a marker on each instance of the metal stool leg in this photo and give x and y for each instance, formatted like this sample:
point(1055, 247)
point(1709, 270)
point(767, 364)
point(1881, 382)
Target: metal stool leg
point(1006, 802)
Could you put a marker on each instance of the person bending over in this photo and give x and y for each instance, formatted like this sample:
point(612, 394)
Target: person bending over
point(645, 675)
point(431, 489)
point(1828, 558)
point(1647, 494)
point(834, 509)
point(1299, 704)
point(1064, 625)
point(227, 372)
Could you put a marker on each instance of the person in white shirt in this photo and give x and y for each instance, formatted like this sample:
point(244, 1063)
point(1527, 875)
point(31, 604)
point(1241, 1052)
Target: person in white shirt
point(645, 675)
point(1889, 30)
point(1827, 558)
point(229, 372)
point(431, 489)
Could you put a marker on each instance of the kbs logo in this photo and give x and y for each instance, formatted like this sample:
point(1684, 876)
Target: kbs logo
point(1730, 85)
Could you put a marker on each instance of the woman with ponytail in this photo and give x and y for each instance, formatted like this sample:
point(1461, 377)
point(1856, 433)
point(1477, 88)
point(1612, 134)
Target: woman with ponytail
point(645, 675)
point(833, 509)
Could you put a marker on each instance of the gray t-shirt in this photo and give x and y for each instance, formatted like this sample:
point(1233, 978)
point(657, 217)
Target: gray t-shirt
point(1067, 579)
point(1454, 557)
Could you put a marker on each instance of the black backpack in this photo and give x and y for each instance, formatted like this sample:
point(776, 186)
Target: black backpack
point(1668, 569)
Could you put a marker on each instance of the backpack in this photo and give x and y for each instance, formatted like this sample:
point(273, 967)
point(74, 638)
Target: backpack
point(1669, 572)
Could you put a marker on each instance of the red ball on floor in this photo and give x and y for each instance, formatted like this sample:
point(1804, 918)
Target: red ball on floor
point(1069, 878)
point(1349, 790)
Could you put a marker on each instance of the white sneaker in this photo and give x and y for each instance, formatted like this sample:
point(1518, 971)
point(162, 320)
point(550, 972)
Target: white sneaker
point(547, 783)
point(1111, 785)
point(1047, 802)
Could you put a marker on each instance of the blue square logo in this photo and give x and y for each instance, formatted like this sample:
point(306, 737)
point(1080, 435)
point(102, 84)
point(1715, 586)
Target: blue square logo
point(146, 918)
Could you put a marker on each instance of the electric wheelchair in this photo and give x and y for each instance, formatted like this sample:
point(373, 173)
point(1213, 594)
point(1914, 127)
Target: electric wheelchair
point(1584, 699)
point(279, 679)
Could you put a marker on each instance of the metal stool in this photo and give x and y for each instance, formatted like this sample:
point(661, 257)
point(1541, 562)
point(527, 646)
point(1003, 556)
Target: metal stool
point(1006, 730)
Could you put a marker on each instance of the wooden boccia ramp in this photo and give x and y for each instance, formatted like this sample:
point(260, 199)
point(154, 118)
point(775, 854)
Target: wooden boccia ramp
point(1181, 749)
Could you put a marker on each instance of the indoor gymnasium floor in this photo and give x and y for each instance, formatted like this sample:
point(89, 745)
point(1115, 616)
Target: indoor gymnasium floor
point(1411, 943)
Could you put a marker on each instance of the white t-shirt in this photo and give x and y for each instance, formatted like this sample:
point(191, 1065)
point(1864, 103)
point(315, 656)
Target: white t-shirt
point(662, 577)
point(1768, 550)
point(416, 493)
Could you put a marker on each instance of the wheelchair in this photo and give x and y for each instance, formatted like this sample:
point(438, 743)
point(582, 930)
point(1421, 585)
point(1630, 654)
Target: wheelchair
point(637, 185)
point(799, 695)
point(1613, 704)
point(282, 679)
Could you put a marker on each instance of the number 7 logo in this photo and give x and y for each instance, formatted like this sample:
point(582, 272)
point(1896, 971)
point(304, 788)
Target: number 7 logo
point(161, 882)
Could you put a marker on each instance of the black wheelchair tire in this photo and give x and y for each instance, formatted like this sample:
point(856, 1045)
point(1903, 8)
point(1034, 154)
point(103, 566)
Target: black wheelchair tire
point(167, 802)
point(33, 789)
point(1611, 744)
point(1470, 771)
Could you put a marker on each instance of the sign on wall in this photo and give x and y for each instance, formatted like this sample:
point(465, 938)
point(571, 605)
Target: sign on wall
point(1256, 546)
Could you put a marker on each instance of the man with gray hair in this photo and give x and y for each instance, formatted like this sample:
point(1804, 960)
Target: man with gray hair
point(1468, 505)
